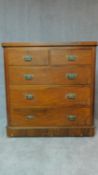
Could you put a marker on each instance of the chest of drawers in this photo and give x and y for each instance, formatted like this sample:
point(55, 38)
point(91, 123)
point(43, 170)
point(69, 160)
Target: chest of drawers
point(50, 88)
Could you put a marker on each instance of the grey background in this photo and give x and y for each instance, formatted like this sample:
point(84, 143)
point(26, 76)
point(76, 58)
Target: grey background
point(46, 20)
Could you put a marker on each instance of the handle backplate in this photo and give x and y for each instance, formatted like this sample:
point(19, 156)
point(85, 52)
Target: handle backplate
point(71, 76)
point(71, 57)
point(29, 117)
point(71, 117)
point(29, 96)
point(28, 58)
point(71, 96)
point(28, 76)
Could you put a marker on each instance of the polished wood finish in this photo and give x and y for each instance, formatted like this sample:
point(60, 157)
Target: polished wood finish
point(50, 75)
point(50, 88)
point(62, 44)
point(50, 117)
point(50, 96)
point(59, 56)
point(16, 56)
point(50, 132)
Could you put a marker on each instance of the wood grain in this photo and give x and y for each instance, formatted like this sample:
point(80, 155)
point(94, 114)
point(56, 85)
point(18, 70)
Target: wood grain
point(16, 56)
point(51, 132)
point(46, 114)
point(50, 75)
point(49, 95)
point(50, 117)
point(62, 44)
point(59, 56)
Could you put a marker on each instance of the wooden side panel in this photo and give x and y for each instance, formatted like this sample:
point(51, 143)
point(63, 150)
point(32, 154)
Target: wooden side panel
point(93, 83)
point(7, 86)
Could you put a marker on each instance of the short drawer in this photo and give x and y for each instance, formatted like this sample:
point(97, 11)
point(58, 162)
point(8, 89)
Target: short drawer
point(49, 95)
point(49, 117)
point(50, 75)
point(27, 56)
point(61, 56)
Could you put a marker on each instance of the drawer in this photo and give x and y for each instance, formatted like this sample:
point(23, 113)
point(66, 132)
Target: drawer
point(50, 75)
point(72, 56)
point(49, 95)
point(49, 117)
point(27, 56)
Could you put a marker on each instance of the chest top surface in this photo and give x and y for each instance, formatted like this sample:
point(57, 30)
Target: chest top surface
point(47, 44)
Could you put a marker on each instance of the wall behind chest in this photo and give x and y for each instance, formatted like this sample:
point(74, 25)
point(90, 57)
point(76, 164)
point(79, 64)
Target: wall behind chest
point(46, 20)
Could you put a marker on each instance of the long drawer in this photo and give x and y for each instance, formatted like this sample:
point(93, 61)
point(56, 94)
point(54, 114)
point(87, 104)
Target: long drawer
point(49, 95)
point(27, 56)
point(49, 117)
point(50, 75)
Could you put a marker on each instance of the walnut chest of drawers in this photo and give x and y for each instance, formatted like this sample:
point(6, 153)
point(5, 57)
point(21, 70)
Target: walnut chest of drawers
point(50, 88)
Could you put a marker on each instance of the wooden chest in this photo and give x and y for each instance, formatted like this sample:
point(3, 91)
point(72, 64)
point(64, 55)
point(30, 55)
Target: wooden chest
point(50, 88)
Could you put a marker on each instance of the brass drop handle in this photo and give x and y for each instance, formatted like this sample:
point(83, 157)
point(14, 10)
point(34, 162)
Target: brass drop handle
point(71, 57)
point(29, 117)
point(71, 117)
point(29, 96)
point(28, 76)
point(71, 96)
point(28, 58)
point(71, 76)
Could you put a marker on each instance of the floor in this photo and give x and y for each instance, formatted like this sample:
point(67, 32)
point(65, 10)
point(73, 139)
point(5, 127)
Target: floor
point(48, 156)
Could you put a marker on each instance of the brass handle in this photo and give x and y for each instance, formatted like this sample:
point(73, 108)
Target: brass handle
point(71, 96)
point(71, 57)
point(71, 76)
point(28, 76)
point(29, 117)
point(28, 58)
point(29, 96)
point(72, 117)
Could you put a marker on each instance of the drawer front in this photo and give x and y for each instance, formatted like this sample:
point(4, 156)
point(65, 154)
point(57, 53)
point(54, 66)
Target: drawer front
point(50, 75)
point(49, 96)
point(49, 117)
point(27, 56)
point(71, 56)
